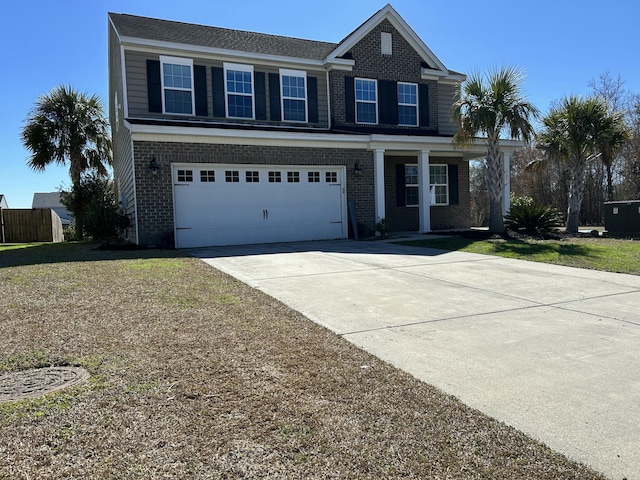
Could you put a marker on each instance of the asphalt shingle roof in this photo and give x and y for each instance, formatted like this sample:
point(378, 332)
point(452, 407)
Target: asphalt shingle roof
point(215, 37)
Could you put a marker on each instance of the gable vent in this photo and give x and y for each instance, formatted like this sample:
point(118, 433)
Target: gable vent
point(385, 43)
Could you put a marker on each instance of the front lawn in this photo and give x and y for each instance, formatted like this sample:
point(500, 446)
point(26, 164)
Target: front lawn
point(196, 375)
point(607, 254)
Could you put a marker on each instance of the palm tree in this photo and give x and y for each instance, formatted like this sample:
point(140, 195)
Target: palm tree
point(490, 105)
point(66, 126)
point(610, 145)
point(576, 131)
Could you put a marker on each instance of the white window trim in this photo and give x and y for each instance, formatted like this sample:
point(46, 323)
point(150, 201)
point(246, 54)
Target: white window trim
point(178, 61)
point(411, 105)
point(294, 73)
point(432, 193)
point(355, 95)
point(243, 68)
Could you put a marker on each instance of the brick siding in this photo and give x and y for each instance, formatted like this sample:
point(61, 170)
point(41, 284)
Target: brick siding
point(404, 65)
point(155, 194)
point(401, 218)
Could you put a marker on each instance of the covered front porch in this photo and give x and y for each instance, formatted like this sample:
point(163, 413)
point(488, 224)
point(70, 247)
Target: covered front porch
point(425, 189)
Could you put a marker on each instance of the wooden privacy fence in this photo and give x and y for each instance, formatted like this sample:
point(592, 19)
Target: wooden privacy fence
point(26, 225)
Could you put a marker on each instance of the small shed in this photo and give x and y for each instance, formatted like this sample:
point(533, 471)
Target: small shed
point(622, 216)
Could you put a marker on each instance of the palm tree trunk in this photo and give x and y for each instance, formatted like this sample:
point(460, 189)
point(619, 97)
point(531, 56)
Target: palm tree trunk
point(609, 182)
point(495, 182)
point(75, 171)
point(576, 194)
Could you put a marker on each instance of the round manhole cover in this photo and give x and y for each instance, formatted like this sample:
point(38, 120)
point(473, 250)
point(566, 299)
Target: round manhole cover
point(38, 381)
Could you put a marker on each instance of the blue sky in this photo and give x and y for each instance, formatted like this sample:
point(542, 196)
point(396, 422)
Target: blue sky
point(560, 45)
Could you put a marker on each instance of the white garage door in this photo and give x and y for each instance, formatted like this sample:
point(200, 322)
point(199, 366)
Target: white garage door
point(243, 204)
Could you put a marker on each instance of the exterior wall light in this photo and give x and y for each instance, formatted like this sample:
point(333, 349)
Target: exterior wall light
point(153, 166)
point(357, 168)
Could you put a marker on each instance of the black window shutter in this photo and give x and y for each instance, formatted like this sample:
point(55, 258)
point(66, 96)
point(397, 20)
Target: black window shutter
point(261, 96)
point(424, 104)
point(388, 102)
point(217, 79)
point(400, 186)
point(154, 87)
point(453, 185)
point(312, 95)
point(349, 100)
point(275, 113)
point(200, 85)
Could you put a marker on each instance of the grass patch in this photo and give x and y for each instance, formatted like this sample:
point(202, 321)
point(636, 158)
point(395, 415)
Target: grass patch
point(606, 254)
point(196, 375)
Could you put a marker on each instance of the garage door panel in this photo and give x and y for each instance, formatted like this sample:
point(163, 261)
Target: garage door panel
point(229, 213)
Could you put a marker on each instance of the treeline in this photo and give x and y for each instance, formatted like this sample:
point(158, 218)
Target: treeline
point(537, 173)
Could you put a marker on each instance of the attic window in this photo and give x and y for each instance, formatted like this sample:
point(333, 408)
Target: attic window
point(386, 43)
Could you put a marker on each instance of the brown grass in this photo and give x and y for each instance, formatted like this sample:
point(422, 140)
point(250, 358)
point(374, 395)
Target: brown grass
point(196, 375)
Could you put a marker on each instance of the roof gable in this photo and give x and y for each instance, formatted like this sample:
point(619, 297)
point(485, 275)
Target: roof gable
point(46, 200)
point(390, 14)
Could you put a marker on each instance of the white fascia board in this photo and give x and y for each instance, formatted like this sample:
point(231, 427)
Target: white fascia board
point(161, 47)
point(396, 143)
point(389, 13)
point(161, 133)
point(442, 77)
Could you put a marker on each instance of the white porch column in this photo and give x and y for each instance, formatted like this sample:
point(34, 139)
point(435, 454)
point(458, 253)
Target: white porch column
point(424, 192)
point(506, 183)
point(378, 178)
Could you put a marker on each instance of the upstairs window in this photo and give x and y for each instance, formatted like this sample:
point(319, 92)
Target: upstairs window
point(177, 85)
point(366, 100)
point(407, 104)
point(294, 95)
point(239, 92)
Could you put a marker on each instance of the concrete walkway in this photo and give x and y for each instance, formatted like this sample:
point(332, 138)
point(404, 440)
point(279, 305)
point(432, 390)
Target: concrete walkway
point(553, 351)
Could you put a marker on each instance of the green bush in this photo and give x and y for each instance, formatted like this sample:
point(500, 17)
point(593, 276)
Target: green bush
point(532, 219)
point(94, 204)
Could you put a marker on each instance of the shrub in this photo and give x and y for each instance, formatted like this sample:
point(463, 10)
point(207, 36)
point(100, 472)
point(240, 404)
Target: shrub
point(94, 203)
point(533, 219)
point(518, 200)
point(381, 228)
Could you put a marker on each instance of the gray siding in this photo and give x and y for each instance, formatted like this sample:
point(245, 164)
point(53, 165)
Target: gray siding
point(137, 89)
point(448, 94)
point(121, 136)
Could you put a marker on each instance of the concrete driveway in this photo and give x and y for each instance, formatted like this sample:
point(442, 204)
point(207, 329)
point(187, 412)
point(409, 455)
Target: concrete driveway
point(553, 351)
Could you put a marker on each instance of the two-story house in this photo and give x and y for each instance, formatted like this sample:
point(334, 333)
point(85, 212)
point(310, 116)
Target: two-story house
point(226, 137)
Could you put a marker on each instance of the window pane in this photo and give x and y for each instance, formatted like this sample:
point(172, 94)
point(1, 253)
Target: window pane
point(407, 115)
point(366, 112)
point(178, 101)
point(294, 110)
point(411, 196)
point(438, 174)
point(239, 82)
point(176, 76)
point(293, 177)
point(440, 194)
point(407, 94)
point(240, 106)
point(411, 174)
point(366, 90)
